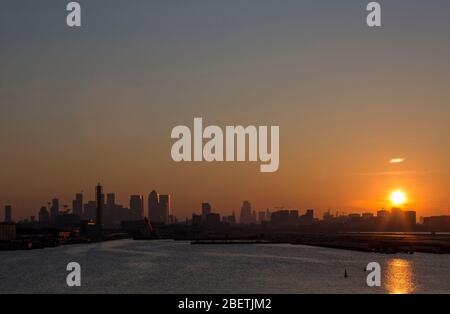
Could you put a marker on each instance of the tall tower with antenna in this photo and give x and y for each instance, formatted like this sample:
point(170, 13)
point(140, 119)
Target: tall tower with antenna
point(99, 199)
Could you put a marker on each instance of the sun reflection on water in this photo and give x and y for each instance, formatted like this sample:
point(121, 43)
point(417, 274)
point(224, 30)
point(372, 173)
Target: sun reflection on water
point(399, 277)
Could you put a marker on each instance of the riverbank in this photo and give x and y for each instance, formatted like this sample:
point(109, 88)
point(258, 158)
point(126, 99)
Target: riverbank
point(49, 242)
point(363, 242)
point(387, 243)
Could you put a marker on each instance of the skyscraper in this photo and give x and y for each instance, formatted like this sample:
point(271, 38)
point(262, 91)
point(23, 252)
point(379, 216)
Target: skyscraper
point(54, 210)
point(158, 207)
point(309, 216)
point(262, 216)
point(164, 207)
point(137, 206)
point(108, 214)
point(99, 196)
point(153, 206)
point(77, 204)
point(8, 213)
point(246, 213)
point(206, 210)
point(411, 218)
point(110, 200)
point(44, 216)
point(397, 217)
point(90, 210)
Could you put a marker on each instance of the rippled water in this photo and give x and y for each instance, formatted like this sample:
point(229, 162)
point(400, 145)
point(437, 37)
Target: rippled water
point(129, 266)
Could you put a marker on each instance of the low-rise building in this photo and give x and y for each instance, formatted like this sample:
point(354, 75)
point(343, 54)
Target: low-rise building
point(7, 231)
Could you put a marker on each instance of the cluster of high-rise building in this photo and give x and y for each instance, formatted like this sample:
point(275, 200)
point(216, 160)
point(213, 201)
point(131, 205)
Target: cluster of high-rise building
point(394, 217)
point(247, 216)
point(292, 217)
point(159, 207)
point(207, 217)
point(437, 223)
point(104, 210)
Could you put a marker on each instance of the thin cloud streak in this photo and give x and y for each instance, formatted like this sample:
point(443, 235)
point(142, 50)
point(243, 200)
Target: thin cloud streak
point(396, 160)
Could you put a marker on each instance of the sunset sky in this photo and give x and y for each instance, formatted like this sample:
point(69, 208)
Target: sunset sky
point(98, 103)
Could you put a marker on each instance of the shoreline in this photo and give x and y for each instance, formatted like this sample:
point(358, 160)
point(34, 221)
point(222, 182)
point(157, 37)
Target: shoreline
point(389, 243)
point(371, 243)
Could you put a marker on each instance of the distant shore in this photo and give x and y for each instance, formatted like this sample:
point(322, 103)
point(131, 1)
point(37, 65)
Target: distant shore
point(388, 243)
point(42, 243)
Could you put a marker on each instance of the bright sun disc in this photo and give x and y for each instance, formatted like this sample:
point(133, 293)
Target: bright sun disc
point(398, 198)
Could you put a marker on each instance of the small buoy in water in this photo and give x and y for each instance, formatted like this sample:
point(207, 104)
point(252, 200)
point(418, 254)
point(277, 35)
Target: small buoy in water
point(345, 274)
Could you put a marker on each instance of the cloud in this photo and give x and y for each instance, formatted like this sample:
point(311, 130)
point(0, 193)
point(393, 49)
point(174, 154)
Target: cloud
point(396, 160)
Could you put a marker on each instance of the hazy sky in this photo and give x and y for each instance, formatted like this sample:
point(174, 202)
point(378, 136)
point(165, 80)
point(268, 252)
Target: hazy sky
point(78, 106)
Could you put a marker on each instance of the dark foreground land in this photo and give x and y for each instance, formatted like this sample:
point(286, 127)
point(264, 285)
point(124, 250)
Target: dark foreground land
point(382, 243)
point(365, 242)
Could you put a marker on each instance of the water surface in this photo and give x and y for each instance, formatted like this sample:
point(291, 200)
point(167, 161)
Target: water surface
point(165, 266)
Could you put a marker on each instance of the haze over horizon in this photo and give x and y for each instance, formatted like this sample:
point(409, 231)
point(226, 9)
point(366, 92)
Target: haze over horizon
point(362, 112)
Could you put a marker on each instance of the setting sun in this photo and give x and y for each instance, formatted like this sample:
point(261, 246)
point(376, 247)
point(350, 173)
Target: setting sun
point(398, 198)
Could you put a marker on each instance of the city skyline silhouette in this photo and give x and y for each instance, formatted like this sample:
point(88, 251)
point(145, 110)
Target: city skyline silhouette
point(148, 206)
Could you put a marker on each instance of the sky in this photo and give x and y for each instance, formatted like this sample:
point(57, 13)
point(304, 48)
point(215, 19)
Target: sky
point(98, 103)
